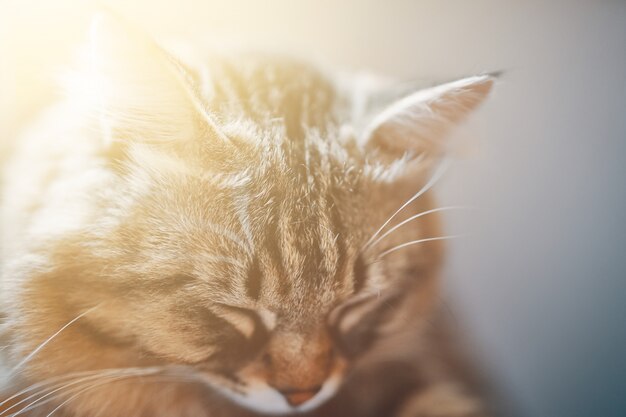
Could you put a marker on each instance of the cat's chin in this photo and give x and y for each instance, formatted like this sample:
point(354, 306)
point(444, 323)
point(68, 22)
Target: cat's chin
point(260, 397)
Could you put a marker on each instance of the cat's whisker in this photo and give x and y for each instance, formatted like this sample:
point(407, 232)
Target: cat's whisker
point(98, 384)
point(48, 340)
point(41, 395)
point(53, 383)
point(56, 381)
point(42, 384)
point(116, 373)
point(410, 219)
point(81, 389)
point(418, 241)
point(60, 378)
point(441, 169)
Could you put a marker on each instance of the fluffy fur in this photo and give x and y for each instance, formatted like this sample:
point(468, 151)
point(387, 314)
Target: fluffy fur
point(215, 238)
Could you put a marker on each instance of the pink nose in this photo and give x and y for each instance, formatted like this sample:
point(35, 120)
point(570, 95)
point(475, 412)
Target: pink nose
point(297, 397)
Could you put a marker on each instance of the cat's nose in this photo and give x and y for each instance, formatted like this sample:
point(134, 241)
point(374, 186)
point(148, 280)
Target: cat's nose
point(298, 397)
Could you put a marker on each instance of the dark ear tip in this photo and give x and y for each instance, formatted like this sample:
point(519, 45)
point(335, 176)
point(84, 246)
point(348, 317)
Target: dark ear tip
point(498, 74)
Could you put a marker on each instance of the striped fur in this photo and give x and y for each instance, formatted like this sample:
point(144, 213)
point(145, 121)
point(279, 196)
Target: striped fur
point(214, 225)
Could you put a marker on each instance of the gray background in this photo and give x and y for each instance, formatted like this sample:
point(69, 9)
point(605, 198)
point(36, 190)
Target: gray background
point(541, 281)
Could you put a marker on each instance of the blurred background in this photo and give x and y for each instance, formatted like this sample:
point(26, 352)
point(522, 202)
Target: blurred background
point(540, 285)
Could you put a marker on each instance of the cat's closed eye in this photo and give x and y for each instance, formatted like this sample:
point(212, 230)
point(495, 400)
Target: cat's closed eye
point(351, 326)
point(247, 321)
point(241, 332)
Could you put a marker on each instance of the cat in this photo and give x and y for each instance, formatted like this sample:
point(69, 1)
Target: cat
point(227, 235)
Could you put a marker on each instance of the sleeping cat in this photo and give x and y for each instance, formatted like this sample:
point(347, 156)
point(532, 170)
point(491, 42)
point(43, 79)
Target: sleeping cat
point(233, 235)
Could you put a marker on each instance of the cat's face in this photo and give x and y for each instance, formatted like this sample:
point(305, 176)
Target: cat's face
point(250, 280)
point(241, 278)
point(234, 251)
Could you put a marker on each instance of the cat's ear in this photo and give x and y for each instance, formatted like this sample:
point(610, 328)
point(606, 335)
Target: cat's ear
point(418, 124)
point(136, 90)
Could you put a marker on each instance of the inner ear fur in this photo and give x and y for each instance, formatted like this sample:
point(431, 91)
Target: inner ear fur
point(419, 123)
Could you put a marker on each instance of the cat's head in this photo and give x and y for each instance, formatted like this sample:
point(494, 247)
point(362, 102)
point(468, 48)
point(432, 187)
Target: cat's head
point(233, 224)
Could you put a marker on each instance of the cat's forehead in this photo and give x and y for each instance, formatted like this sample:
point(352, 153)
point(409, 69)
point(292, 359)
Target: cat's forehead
point(275, 234)
point(279, 210)
point(297, 233)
